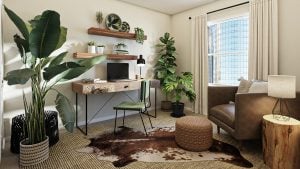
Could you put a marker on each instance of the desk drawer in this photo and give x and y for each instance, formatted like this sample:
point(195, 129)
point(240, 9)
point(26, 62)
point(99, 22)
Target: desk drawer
point(126, 86)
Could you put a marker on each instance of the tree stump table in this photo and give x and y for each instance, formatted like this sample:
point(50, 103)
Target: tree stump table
point(281, 143)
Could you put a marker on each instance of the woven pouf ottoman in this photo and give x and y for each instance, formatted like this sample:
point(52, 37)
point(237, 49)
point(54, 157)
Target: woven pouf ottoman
point(193, 133)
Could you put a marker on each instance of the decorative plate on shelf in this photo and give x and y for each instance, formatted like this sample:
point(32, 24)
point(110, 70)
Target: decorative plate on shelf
point(125, 27)
point(113, 22)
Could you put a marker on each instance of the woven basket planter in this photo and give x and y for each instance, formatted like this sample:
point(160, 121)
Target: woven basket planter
point(34, 154)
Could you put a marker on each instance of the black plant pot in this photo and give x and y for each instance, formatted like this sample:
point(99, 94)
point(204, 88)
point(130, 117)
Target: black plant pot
point(177, 109)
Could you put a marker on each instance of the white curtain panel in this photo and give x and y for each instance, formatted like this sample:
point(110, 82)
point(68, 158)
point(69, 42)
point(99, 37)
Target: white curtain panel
point(199, 51)
point(263, 39)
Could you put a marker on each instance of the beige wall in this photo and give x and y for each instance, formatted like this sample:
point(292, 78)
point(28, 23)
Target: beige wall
point(289, 38)
point(78, 16)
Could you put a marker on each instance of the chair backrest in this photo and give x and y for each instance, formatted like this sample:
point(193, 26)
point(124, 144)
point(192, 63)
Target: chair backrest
point(145, 92)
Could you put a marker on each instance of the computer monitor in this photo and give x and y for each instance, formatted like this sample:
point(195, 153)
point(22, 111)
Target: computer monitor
point(117, 71)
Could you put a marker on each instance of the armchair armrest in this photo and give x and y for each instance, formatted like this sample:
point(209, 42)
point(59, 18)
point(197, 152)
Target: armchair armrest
point(218, 95)
point(249, 110)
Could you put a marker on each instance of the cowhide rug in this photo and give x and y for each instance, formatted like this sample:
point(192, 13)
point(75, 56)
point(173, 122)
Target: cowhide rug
point(128, 146)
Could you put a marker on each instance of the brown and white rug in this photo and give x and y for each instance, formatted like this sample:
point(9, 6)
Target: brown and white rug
point(128, 146)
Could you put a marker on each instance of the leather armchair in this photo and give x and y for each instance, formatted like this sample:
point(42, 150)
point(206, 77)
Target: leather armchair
point(242, 119)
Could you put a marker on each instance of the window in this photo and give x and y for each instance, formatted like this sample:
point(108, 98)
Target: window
point(228, 50)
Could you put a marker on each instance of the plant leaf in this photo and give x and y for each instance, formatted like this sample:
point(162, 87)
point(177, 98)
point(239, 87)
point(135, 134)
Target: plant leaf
point(23, 46)
point(66, 111)
point(87, 64)
point(62, 37)
point(20, 24)
point(51, 72)
point(20, 76)
point(58, 59)
point(44, 37)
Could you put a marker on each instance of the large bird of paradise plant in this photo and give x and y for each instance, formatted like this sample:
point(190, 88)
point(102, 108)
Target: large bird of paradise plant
point(40, 38)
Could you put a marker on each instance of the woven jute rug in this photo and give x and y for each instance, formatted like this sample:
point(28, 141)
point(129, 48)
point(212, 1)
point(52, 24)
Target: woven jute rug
point(64, 154)
point(127, 146)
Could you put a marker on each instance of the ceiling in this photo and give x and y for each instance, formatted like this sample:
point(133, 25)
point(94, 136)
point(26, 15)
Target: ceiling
point(169, 7)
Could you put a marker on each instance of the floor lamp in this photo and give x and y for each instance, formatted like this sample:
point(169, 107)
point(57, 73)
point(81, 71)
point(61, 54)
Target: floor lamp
point(281, 87)
point(140, 63)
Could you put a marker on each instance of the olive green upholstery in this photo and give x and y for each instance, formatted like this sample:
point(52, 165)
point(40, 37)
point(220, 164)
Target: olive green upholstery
point(140, 106)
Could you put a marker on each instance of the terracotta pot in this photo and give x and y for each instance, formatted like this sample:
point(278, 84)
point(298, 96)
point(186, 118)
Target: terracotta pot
point(33, 154)
point(166, 105)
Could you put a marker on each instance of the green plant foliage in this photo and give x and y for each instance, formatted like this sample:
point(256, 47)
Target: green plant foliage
point(99, 17)
point(165, 67)
point(139, 35)
point(182, 85)
point(41, 37)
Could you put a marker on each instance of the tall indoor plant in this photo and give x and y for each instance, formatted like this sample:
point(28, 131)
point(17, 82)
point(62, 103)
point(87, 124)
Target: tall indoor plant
point(41, 37)
point(165, 67)
point(181, 85)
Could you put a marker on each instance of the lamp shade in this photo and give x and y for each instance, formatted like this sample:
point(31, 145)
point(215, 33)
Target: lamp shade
point(140, 61)
point(282, 86)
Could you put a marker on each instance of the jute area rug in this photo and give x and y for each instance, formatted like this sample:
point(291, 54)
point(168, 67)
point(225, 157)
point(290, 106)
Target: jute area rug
point(127, 146)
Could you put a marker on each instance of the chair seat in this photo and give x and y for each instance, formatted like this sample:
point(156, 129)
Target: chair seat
point(131, 106)
point(224, 112)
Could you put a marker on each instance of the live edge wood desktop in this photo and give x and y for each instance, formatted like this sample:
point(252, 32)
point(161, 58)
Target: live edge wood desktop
point(108, 87)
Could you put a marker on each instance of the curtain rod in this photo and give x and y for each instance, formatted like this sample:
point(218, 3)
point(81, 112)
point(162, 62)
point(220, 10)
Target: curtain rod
point(228, 7)
point(225, 8)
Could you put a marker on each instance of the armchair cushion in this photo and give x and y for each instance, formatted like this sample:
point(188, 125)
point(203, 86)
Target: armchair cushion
point(226, 112)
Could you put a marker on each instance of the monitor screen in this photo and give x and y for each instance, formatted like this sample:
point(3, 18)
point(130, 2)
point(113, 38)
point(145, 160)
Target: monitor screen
point(117, 71)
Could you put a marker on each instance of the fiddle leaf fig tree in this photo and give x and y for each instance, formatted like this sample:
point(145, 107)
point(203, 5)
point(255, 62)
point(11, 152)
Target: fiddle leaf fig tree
point(165, 67)
point(40, 38)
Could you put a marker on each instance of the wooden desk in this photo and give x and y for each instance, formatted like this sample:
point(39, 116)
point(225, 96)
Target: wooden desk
point(281, 143)
point(108, 87)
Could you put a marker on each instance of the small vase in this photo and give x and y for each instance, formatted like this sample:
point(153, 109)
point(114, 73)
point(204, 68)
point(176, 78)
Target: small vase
point(91, 49)
point(100, 50)
point(35, 153)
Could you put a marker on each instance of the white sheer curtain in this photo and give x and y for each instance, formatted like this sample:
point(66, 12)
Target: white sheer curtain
point(263, 39)
point(199, 51)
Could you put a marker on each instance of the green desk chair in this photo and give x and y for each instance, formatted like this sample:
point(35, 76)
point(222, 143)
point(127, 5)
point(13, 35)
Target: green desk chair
point(140, 106)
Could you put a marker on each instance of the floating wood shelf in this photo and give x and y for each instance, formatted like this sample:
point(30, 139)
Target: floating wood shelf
point(79, 55)
point(109, 33)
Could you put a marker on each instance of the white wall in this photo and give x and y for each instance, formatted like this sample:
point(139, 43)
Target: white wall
point(78, 16)
point(289, 37)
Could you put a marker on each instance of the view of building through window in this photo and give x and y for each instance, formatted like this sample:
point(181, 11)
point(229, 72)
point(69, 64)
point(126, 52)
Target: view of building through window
point(228, 50)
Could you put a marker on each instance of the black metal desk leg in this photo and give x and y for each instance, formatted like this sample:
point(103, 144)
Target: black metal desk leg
point(155, 102)
point(76, 110)
point(86, 113)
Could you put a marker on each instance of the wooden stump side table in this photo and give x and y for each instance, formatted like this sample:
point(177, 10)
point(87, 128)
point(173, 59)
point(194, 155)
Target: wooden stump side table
point(281, 143)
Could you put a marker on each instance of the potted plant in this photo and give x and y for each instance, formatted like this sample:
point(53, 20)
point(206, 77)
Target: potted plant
point(139, 35)
point(91, 47)
point(165, 67)
point(100, 49)
point(41, 37)
point(99, 18)
point(181, 85)
point(120, 48)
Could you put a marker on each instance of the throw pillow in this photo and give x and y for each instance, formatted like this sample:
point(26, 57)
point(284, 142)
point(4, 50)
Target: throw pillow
point(259, 87)
point(244, 86)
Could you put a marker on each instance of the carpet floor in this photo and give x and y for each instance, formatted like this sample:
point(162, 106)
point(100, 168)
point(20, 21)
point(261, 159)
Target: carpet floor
point(63, 155)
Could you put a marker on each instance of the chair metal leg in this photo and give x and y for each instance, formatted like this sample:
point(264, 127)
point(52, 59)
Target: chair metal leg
point(143, 122)
point(116, 121)
point(149, 118)
point(123, 118)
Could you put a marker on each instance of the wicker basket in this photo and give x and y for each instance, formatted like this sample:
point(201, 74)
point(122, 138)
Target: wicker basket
point(35, 153)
